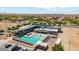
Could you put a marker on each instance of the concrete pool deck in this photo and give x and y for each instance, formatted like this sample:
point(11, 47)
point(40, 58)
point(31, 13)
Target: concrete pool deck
point(35, 35)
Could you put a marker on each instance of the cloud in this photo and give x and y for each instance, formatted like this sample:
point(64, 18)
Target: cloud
point(39, 9)
point(3, 9)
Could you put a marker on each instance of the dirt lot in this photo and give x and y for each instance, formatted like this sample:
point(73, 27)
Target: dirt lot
point(4, 36)
point(4, 25)
point(70, 38)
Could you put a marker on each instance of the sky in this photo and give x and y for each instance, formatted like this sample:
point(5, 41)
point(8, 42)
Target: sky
point(40, 10)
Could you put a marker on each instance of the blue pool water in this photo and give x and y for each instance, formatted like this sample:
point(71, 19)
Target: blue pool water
point(32, 40)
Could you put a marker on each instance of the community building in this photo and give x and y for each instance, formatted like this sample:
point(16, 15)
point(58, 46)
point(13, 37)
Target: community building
point(36, 35)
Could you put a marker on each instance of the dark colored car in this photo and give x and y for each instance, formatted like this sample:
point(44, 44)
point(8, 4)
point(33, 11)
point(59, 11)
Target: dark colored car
point(16, 48)
point(7, 46)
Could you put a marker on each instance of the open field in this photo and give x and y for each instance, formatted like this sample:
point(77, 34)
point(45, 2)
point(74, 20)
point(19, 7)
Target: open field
point(5, 25)
point(70, 38)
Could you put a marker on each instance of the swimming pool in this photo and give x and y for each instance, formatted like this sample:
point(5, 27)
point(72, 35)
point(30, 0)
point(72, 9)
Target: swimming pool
point(32, 39)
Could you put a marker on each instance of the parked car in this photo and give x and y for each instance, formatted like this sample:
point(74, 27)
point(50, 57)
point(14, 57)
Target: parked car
point(7, 46)
point(16, 48)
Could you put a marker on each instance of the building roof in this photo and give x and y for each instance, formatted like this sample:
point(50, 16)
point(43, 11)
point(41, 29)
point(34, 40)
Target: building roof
point(42, 25)
point(46, 25)
point(46, 29)
point(26, 27)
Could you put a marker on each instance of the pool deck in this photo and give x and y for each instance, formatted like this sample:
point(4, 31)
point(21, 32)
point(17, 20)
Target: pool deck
point(44, 36)
point(26, 44)
point(30, 34)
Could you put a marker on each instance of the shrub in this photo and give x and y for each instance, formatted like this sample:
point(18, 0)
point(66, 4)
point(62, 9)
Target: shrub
point(1, 30)
point(18, 26)
point(9, 28)
point(13, 28)
point(57, 47)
